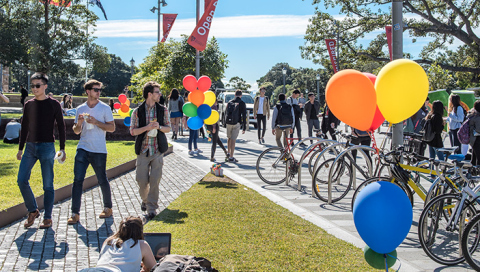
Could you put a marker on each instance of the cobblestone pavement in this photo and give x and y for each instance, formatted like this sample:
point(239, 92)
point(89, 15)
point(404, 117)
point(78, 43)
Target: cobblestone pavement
point(71, 248)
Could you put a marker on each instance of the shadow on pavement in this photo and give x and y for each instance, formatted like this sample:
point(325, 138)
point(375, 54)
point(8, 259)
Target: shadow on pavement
point(95, 238)
point(171, 216)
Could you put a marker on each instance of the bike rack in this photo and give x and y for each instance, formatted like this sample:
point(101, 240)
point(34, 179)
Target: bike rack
point(291, 151)
point(360, 148)
point(328, 149)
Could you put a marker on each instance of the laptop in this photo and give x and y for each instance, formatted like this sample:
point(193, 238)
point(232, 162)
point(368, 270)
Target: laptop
point(160, 243)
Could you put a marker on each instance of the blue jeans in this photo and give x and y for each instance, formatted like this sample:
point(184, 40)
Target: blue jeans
point(192, 137)
point(44, 152)
point(433, 151)
point(99, 163)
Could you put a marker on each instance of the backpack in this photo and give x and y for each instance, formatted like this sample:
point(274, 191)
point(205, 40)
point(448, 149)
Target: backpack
point(233, 113)
point(296, 109)
point(284, 116)
point(183, 263)
point(464, 133)
point(428, 134)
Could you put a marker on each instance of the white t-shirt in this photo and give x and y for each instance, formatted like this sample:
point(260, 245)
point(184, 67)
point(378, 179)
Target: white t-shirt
point(260, 104)
point(121, 259)
point(93, 140)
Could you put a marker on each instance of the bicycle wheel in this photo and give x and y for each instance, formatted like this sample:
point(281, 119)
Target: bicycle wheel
point(314, 157)
point(342, 180)
point(440, 241)
point(470, 242)
point(271, 166)
point(402, 186)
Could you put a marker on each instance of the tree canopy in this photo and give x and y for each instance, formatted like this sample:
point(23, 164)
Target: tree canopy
point(238, 83)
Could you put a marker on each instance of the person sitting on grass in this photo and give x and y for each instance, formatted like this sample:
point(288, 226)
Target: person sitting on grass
point(12, 132)
point(126, 250)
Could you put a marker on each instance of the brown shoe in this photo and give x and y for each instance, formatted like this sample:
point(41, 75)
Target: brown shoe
point(107, 212)
point(31, 218)
point(47, 223)
point(73, 219)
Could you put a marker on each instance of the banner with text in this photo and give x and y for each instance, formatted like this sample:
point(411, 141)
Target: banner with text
point(168, 20)
point(59, 3)
point(207, 3)
point(388, 29)
point(331, 47)
point(199, 36)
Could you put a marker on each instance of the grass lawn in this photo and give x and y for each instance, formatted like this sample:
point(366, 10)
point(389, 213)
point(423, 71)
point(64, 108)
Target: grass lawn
point(118, 152)
point(238, 229)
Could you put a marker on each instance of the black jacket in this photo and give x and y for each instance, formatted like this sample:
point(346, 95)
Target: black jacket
point(243, 112)
point(162, 142)
point(437, 125)
point(309, 107)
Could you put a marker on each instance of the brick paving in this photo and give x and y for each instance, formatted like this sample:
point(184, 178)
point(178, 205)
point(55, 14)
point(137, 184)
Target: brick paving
point(71, 248)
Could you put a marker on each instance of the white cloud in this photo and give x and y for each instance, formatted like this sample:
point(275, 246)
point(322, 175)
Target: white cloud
point(222, 27)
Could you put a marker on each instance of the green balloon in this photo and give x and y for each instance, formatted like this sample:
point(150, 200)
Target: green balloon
point(468, 97)
point(189, 109)
point(377, 260)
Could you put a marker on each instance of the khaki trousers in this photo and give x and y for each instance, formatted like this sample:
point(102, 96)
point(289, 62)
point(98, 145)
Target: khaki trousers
point(149, 173)
point(281, 134)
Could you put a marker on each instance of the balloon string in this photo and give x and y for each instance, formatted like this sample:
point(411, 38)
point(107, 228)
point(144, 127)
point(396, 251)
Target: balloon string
point(386, 265)
point(374, 145)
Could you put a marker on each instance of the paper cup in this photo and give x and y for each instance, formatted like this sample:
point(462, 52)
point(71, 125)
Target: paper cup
point(59, 157)
point(152, 133)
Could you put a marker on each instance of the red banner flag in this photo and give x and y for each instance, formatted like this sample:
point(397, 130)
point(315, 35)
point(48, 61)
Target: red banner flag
point(331, 47)
point(59, 3)
point(168, 20)
point(388, 29)
point(199, 36)
point(207, 3)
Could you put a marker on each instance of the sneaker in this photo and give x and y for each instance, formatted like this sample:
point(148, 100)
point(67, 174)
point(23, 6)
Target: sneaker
point(151, 215)
point(144, 206)
point(107, 212)
point(263, 140)
point(212, 159)
point(73, 219)
point(47, 223)
point(198, 151)
point(31, 218)
point(232, 159)
point(303, 145)
point(260, 141)
point(191, 152)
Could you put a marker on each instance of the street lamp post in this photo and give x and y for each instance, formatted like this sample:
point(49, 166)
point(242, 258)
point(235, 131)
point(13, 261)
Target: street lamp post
point(164, 4)
point(132, 66)
point(284, 72)
point(318, 87)
point(28, 79)
point(397, 53)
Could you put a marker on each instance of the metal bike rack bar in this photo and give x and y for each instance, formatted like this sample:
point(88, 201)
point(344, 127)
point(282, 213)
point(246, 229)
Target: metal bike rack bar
point(331, 148)
point(290, 153)
point(361, 148)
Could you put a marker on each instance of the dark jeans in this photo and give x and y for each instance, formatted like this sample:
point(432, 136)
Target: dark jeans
point(12, 141)
point(433, 151)
point(365, 140)
point(216, 140)
point(192, 137)
point(452, 133)
point(44, 152)
point(298, 128)
point(332, 132)
point(476, 152)
point(312, 123)
point(261, 122)
point(98, 161)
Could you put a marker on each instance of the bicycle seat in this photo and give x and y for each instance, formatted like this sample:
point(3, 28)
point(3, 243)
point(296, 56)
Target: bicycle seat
point(448, 149)
point(457, 157)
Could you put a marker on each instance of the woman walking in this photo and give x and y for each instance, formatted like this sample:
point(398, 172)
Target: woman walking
point(474, 125)
point(175, 104)
point(435, 117)
point(456, 115)
point(215, 139)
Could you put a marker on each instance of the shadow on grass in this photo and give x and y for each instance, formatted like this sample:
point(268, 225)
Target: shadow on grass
point(168, 216)
point(129, 143)
point(8, 169)
point(218, 184)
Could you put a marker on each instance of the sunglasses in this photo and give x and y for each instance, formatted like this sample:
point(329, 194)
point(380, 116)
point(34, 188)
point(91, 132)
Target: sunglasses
point(96, 90)
point(37, 86)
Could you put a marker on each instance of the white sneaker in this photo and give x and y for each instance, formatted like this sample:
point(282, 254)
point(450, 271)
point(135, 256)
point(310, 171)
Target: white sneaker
point(191, 152)
point(198, 151)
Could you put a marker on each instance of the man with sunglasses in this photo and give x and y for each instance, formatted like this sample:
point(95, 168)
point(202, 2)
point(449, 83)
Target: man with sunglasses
point(37, 136)
point(92, 121)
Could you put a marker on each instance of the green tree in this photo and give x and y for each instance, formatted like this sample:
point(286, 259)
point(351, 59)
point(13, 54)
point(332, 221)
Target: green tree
point(238, 83)
point(275, 75)
point(445, 22)
point(439, 78)
point(269, 88)
point(116, 78)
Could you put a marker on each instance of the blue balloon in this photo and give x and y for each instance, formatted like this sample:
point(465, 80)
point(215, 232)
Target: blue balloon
point(204, 111)
point(383, 215)
point(126, 121)
point(195, 123)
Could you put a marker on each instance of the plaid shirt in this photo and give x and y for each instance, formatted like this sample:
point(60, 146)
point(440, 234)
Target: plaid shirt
point(149, 143)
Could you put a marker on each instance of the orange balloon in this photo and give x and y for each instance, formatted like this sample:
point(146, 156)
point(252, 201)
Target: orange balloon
point(352, 98)
point(124, 108)
point(127, 102)
point(196, 97)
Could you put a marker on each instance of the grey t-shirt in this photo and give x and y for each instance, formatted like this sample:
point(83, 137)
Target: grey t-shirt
point(12, 130)
point(93, 140)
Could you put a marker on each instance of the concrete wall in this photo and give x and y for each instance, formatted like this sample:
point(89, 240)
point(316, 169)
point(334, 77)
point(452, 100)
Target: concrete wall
point(77, 101)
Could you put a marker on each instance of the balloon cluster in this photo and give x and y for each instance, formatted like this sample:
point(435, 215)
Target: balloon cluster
point(200, 102)
point(364, 101)
point(123, 109)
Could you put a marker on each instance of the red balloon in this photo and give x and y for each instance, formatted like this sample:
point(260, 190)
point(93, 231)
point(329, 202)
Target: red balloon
point(124, 108)
point(378, 120)
point(122, 98)
point(204, 83)
point(372, 77)
point(116, 105)
point(190, 83)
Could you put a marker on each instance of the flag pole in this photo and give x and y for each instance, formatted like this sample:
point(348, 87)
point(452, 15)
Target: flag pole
point(197, 53)
point(86, 45)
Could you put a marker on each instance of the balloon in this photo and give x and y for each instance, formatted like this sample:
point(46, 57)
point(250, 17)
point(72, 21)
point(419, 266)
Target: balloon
point(195, 123)
point(116, 106)
point(196, 98)
point(127, 102)
point(124, 108)
point(377, 260)
point(209, 98)
point(383, 215)
point(130, 112)
point(402, 87)
point(204, 83)
point(204, 111)
point(122, 98)
point(190, 83)
point(189, 109)
point(372, 77)
point(378, 120)
point(213, 118)
point(351, 97)
point(126, 121)
point(122, 113)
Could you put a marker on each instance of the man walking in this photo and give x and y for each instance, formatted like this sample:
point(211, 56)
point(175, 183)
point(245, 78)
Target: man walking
point(261, 111)
point(312, 108)
point(236, 118)
point(24, 95)
point(292, 100)
point(283, 120)
point(150, 121)
point(37, 136)
point(92, 121)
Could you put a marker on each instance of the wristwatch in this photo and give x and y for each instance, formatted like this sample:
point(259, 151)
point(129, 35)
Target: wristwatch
point(159, 127)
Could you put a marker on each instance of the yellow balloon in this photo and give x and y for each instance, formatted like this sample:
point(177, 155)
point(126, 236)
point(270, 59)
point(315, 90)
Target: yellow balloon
point(401, 87)
point(123, 114)
point(213, 118)
point(209, 98)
